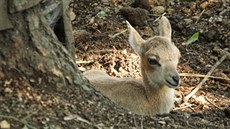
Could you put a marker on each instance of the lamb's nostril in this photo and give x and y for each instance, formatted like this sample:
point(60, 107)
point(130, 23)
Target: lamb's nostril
point(176, 78)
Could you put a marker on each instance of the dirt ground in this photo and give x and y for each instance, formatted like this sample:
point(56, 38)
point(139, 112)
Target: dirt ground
point(101, 43)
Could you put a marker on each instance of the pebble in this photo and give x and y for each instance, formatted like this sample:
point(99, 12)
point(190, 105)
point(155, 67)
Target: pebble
point(135, 16)
point(81, 35)
point(4, 125)
point(162, 122)
point(188, 21)
point(204, 5)
point(207, 13)
point(192, 5)
point(8, 90)
point(195, 17)
point(146, 4)
point(158, 10)
point(211, 34)
point(106, 2)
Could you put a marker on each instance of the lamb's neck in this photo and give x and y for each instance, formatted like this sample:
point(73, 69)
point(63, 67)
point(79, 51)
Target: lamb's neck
point(148, 87)
point(152, 88)
point(160, 97)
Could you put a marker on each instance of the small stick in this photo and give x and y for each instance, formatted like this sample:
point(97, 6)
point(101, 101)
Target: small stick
point(135, 122)
point(199, 17)
point(200, 75)
point(159, 17)
point(117, 34)
point(104, 50)
point(72, 117)
point(222, 51)
point(142, 127)
point(78, 118)
point(205, 78)
point(84, 62)
point(212, 103)
point(189, 105)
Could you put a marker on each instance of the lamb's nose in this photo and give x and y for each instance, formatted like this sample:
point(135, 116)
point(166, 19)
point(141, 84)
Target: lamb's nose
point(176, 79)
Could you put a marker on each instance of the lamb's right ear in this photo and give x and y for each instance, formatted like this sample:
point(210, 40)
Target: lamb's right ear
point(135, 40)
point(165, 28)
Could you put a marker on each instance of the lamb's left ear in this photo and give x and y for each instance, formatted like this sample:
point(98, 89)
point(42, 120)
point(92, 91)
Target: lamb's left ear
point(165, 28)
point(135, 40)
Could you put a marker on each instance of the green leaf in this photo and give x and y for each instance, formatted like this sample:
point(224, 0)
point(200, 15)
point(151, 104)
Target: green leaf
point(101, 14)
point(192, 39)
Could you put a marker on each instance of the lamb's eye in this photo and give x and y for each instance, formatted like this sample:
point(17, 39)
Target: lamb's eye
point(153, 61)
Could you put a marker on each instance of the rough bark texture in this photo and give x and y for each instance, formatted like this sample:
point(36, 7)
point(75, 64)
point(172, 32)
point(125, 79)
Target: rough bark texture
point(31, 49)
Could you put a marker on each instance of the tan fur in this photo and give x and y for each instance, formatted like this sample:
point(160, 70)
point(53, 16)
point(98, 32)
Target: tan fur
point(155, 93)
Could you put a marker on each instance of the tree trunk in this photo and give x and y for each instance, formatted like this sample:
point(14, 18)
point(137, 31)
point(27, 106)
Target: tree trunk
point(31, 48)
point(35, 49)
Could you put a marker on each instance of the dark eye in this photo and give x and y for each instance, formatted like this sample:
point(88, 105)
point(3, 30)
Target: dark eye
point(153, 61)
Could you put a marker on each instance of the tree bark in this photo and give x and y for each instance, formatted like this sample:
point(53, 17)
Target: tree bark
point(31, 49)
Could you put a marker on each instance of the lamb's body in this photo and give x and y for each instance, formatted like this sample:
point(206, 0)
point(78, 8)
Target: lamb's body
point(154, 94)
point(137, 99)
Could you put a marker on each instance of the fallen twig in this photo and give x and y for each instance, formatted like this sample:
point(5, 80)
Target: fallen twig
point(212, 103)
point(84, 62)
point(20, 121)
point(134, 121)
point(200, 75)
point(183, 107)
point(142, 127)
point(117, 34)
point(222, 51)
point(104, 50)
point(73, 117)
point(159, 17)
point(78, 118)
point(205, 78)
point(199, 16)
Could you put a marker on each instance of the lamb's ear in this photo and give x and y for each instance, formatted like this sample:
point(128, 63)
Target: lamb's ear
point(135, 40)
point(165, 28)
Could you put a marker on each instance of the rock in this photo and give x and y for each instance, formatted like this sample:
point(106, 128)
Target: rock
point(8, 90)
point(188, 21)
point(204, 5)
point(180, 25)
point(105, 2)
point(145, 4)
point(192, 5)
point(135, 16)
point(207, 14)
point(116, 1)
point(211, 35)
point(195, 17)
point(158, 10)
point(4, 125)
point(201, 100)
point(162, 122)
point(81, 35)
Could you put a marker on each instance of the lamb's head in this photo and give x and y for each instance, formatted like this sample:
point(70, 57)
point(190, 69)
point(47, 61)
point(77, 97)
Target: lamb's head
point(159, 56)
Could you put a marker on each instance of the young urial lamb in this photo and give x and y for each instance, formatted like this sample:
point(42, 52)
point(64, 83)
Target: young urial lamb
point(158, 61)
